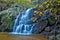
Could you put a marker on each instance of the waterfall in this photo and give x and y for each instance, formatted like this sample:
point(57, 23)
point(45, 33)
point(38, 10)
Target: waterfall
point(21, 25)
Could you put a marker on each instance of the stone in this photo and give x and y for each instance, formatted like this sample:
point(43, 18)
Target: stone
point(47, 29)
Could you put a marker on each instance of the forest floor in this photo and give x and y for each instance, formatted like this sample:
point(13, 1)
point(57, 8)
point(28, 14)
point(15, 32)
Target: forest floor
point(6, 36)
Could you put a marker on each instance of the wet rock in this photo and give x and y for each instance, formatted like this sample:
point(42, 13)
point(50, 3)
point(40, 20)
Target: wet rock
point(0, 23)
point(58, 36)
point(45, 34)
point(52, 37)
point(47, 29)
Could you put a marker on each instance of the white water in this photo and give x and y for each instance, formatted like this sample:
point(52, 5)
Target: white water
point(21, 25)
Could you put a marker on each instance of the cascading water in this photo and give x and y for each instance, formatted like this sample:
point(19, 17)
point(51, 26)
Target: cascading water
point(23, 26)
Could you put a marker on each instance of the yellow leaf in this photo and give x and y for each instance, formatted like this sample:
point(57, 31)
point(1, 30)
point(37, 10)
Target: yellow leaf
point(46, 10)
point(47, 5)
point(55, 17)
point(41, 6)
point(35, 11)
point(58, 2)
point(55, 10)
point(33, 19)
point(40, 13)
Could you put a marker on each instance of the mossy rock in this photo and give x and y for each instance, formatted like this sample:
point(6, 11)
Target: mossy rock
point(6, 22)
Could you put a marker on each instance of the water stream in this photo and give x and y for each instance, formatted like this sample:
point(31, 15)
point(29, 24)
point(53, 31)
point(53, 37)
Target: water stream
point(23, 26)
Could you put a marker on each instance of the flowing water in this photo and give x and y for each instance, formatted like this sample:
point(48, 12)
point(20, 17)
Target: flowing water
point(22, 25)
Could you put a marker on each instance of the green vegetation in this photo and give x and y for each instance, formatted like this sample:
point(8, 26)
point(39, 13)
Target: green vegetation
point(6, 21)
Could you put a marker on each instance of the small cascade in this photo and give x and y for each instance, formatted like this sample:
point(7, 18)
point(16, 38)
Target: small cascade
point(22, 25)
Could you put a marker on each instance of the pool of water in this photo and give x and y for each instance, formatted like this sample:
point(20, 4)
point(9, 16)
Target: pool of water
point(19, 33)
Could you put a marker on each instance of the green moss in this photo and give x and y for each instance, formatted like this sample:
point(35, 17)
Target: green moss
point(6, 22)
point(51, 20)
